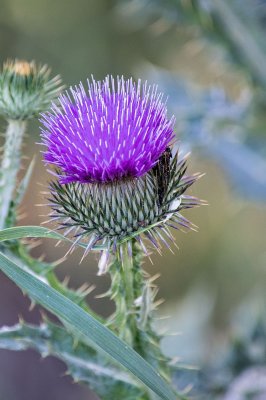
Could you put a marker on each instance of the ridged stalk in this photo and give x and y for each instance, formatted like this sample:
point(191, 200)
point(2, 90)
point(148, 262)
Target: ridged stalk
point(124, 291)
point(10, 165)
point(133, 293)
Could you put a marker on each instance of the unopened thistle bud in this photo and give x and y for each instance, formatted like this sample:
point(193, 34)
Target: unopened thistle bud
point(26, 89)
point(116, 176)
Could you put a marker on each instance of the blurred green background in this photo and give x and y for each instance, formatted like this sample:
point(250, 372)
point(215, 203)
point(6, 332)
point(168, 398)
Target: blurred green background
point(215, 270)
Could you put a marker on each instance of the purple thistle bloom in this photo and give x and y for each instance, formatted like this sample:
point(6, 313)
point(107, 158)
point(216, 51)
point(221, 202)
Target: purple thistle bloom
point(117, 177)
point(116, 129)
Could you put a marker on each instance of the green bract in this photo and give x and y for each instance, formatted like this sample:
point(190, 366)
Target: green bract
point(111, 213)
point(26, 89)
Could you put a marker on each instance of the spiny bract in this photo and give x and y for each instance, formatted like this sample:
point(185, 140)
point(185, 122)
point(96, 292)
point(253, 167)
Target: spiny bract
point(111, 213)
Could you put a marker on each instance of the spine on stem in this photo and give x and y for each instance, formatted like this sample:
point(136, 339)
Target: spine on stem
point(133, 292)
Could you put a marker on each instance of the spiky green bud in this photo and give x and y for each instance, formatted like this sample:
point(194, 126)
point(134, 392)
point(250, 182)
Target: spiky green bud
point(26, 89)
point(115, 212)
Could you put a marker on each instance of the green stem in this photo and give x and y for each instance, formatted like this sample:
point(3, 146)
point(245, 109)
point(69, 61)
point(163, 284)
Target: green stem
point(10, 166)
point(128, 278)
point(127, 271)
point(123, 292)
point(133, 319)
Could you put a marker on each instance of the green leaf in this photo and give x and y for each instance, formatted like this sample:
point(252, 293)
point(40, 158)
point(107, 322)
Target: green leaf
point(83, 363)
point(20, 232)
point(29, 231)
point(19, 254)
point(87, 328)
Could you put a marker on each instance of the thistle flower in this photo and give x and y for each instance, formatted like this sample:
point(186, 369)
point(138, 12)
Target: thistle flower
point(26, 89)
point(116, 177)
point(110, 133)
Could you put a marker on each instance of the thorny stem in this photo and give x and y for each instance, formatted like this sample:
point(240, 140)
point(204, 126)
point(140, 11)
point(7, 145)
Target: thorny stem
point(132, 293)
point(10, 165)
point(128, 279)
point(123, 292)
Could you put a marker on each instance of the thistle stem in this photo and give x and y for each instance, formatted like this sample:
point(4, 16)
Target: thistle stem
point(127, 274)
point(133, 295)
point(123, 291)
point(127, 268)
point(10, 166)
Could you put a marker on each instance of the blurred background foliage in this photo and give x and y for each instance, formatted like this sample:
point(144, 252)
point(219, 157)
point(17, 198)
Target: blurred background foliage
point(209, 57)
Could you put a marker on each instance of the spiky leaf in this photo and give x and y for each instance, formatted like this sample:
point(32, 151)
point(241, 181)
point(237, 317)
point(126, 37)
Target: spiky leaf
point(87, 328)
point(83, 363)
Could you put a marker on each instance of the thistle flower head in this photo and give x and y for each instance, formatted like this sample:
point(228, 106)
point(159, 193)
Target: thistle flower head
point(26, 89)
point(116, 176)
point(114, 130)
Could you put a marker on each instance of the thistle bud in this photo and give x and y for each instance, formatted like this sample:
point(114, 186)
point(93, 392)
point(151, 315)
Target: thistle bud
point(26, 89)
point(116, 176)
